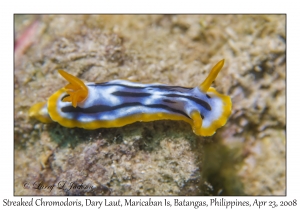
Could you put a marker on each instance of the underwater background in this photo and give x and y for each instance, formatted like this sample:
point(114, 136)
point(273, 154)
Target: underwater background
point(245, 157)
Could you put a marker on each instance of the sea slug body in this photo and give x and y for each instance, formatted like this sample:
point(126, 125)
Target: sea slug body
point(120, 102)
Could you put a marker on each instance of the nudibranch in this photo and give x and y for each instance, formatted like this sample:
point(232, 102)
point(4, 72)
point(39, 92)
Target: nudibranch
point(120, 102)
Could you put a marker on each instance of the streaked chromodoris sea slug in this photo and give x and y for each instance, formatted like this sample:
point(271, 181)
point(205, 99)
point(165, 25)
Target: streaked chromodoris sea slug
point(120, 102)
